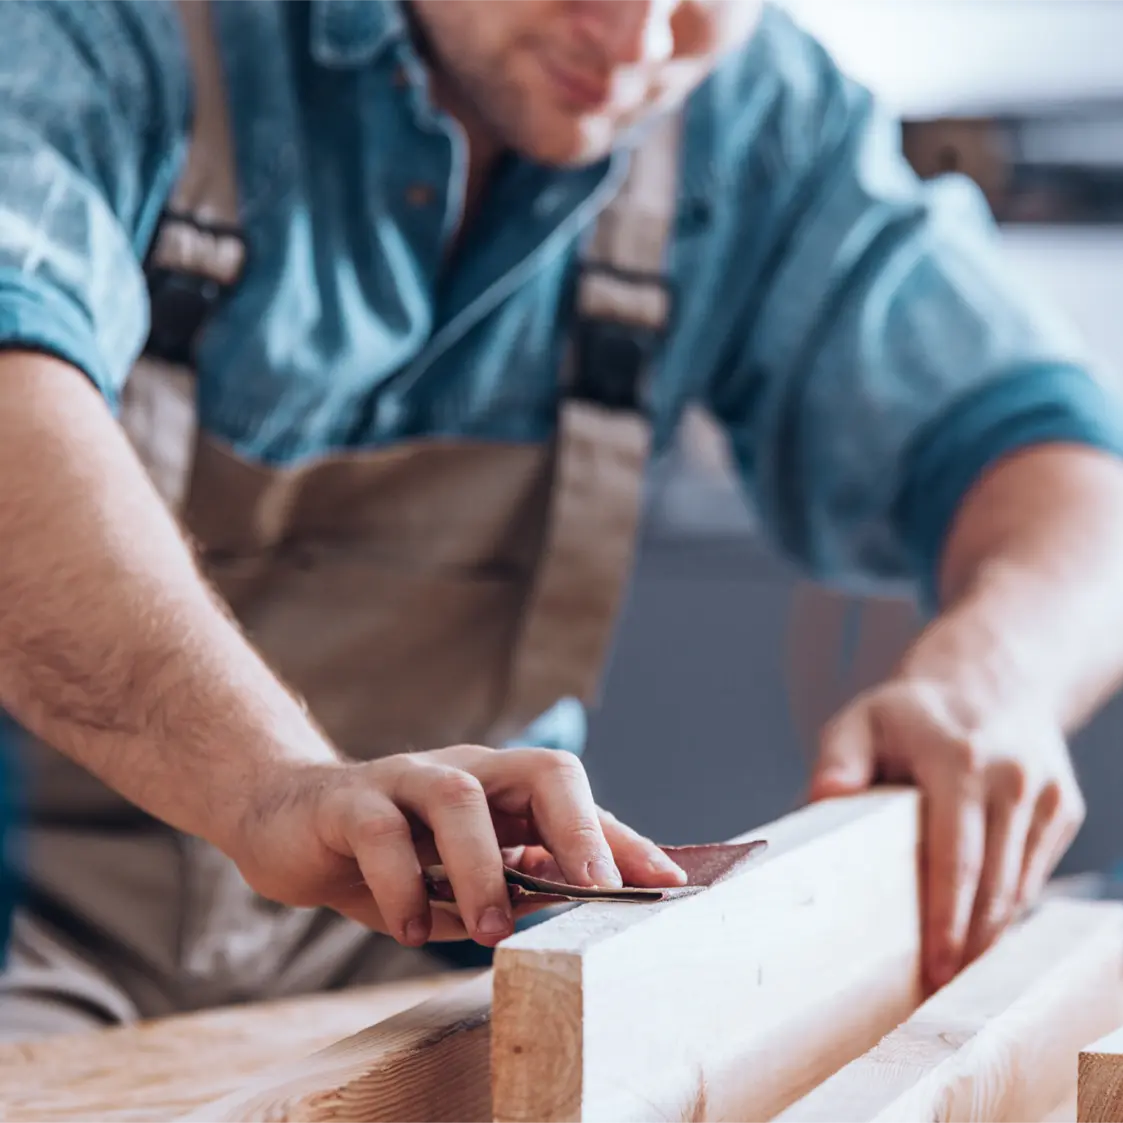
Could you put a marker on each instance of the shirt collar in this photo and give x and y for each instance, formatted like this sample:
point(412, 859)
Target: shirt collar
point(352, 33)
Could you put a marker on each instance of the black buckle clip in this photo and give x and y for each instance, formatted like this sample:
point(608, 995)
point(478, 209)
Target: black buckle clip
point(183, 293)
point(181, 304)
point(613, 356)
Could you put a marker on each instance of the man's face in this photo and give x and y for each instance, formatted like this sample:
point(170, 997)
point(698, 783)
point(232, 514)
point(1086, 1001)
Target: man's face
point(559, 80)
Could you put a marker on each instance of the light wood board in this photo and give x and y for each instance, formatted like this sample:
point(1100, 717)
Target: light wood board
point(428, 1063)
point(726, 1005)
point(793, 1020)
point(161, 1069)
point(1100, 1098)
point(1001, 1040)
point(1063, 1112)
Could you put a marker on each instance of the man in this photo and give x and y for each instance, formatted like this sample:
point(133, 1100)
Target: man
point(419, 511)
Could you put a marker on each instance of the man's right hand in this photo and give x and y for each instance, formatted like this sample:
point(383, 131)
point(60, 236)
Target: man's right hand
point(356, 837)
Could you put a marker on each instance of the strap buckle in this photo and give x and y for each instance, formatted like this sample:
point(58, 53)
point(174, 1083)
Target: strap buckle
point(618, 330)
point(189, 271)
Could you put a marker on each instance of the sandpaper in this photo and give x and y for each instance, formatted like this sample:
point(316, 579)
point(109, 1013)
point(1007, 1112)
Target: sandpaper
point(704, 866)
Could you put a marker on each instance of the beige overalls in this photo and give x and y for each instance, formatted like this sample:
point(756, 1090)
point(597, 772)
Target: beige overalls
point(431, 593)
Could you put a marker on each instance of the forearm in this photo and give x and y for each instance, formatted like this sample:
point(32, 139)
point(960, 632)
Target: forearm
point(112, 649)
point(1031, 586)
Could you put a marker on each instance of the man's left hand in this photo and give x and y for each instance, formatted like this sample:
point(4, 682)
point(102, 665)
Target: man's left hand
point(1001, 803)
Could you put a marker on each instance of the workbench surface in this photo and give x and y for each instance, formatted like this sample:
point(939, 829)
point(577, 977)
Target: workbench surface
point(161, 1069)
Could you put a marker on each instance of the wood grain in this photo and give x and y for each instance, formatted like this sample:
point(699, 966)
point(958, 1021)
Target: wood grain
point(1000, 1042)
point(792, 969)
point(727, 1005)
point(1063, 1112)
point(1100, 1094)
point(427, 1063)
point(161, 1069)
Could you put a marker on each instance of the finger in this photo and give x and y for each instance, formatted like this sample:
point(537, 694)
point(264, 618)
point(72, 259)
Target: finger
point(514, 830)
point(357, 904)
point(847, 756)
point(453, 805)
point(535, 861)
point(954, 845)
point(639, 860)
point(1008, 823)
point(378, 835)
point(1057, 817)
point(551, 787)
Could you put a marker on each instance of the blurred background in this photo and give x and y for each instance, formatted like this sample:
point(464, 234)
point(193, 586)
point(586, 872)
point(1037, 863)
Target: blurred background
point(694, 740)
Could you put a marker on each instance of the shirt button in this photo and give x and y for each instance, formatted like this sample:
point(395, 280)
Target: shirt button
point(419, 194)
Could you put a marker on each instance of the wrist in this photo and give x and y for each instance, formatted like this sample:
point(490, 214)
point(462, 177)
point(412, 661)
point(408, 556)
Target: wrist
point(233, 732)
point(980, 663)
point(287, 765)
point(278, 805)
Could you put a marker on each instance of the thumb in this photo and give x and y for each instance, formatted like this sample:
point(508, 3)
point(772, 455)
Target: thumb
point(847, 756)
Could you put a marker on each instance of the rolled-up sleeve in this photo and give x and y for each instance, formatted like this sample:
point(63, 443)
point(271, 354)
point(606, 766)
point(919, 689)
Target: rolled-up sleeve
point(893, 357)
point(93, 106)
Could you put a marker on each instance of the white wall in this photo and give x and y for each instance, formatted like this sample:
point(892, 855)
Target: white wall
point(935, 56)
point(930, 57)
point(1082, 270)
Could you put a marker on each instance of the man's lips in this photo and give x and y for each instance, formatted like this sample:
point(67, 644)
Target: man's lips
point(579, 90)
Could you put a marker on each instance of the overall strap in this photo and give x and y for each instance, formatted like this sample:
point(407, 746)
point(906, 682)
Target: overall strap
point(198, 253)
point(623, 306)
point(623, 295)
point(196, 257)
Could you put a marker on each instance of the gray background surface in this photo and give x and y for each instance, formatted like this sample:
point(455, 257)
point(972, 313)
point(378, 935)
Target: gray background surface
point(694, 741)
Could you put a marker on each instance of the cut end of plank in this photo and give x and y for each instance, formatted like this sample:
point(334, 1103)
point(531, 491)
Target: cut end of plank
point(676, 1009)
point(1100, 1075)
point(537, 1036)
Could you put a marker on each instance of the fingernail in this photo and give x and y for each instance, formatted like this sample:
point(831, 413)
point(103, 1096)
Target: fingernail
point(831, 779)
point(417, 932)
point(494, 922)
point(604, 874)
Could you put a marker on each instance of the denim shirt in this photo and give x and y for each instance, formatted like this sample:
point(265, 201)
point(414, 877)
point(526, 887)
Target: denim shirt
point(852, 328)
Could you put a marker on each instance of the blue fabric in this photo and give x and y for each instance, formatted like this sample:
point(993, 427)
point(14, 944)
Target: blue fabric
point(38, 316)
point(852, 328)
point(1053, 403)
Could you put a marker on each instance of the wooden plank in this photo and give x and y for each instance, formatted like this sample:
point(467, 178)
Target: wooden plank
point(1063, 1112)
point(1100, 1094)
point(161, 1069)
point(427, 1063)
point(726, 1005)
point(752, 956)
point(431, 1063)
point(1000, 1041)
